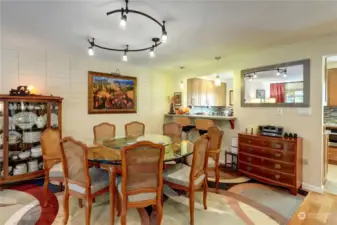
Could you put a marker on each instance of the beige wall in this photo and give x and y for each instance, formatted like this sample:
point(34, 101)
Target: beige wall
point(67, 76)
point(308, 127)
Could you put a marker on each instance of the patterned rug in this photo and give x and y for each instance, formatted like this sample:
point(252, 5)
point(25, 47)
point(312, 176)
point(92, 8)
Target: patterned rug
point(243, 203)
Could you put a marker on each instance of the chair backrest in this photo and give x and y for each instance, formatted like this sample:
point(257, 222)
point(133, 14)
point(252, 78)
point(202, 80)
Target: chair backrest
point(200, 161)
point(103, 131)
point(184, 121)
point(215, 134)
point(134, 129)
point(142, 169)
point(173, 130)
point(75, 162)
point(203, 124)
point(51, 146)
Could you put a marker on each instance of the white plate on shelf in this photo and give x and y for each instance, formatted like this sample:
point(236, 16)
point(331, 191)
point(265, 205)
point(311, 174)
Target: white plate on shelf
point(25, 120)
point(14, 137)
point(54, 120)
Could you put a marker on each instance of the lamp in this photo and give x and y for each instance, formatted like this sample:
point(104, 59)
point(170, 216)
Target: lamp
point(217, 81)
point(152, 54)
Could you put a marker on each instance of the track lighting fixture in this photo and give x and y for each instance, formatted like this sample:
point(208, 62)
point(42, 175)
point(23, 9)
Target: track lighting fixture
point(285, 73)
point(125, 56)
point(278, 72)
point(90, 51)
point(217, 81)
point(254, 76)
point(124, 17)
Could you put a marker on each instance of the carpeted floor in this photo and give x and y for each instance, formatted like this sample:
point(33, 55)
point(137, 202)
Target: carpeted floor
point(243, 203)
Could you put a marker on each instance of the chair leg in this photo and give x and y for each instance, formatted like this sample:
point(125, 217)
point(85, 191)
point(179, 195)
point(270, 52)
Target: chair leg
point(217, 177)
point(124, 211)
point(66, 205)
point(159, 213)
point(60, 186)
point(45, 190)
point(80, 204)
point(88, 211)
point(192, 207)
point(113, 198)
point(205, 193)
point(118, 204)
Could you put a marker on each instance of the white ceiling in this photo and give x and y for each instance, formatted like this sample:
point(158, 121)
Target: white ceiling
point(197, 30)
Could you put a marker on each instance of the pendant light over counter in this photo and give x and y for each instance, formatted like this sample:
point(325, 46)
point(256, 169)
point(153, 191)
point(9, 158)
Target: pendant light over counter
point(182, 82)
point(217, 81)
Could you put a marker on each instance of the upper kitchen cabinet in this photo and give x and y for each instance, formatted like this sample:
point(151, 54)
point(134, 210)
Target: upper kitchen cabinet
point(204, 93)
point(332, 84)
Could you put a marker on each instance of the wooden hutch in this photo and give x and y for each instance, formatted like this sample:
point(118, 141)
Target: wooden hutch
point(22, 119)
point(276, 161)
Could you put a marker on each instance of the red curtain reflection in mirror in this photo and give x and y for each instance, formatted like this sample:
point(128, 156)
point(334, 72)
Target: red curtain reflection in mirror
point(277, 92)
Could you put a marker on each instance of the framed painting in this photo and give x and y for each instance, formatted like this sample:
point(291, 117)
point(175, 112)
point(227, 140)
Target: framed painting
point(111, 93)
point(260, 94)
point(177, 98)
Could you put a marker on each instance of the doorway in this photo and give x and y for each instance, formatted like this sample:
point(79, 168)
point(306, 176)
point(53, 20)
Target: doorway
point(330, 125)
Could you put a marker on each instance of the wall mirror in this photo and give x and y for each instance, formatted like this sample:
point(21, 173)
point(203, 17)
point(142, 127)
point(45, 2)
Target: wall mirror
point(280, 85)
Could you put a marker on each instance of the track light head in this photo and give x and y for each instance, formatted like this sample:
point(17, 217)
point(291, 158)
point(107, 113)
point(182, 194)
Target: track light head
point(122, 23)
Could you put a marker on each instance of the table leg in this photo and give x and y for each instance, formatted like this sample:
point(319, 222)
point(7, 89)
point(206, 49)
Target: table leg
point(112, 189)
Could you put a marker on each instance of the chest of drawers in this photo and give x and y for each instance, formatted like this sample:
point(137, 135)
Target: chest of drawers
point(275, 161)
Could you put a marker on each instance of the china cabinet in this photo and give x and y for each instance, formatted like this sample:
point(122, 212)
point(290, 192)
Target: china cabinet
point(22, 119)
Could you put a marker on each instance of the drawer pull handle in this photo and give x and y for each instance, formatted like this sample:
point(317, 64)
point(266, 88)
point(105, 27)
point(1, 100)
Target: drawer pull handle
point(277, 177)
point(249, 159)
point(277, 166)
point(278, 155)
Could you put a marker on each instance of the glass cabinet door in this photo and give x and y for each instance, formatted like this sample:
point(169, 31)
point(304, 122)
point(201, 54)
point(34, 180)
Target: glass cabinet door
point(26, 122)
point(1, 139)
point(54, 115)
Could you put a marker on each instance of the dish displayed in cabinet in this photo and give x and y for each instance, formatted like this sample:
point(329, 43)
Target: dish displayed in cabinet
point(31, 137)
point(54, 120)
point(25, 120)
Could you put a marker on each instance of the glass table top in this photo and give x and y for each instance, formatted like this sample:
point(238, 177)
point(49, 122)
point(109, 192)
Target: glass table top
point(109, 152)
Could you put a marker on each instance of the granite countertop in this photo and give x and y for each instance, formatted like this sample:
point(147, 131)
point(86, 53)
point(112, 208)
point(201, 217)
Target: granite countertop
point(333, 125)
point(203, 116)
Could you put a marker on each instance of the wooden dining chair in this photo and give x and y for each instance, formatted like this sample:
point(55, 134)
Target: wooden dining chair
point(214, 149)
point(80, 181)
point(134, 129)
point(202, 125)
point(186, 124)
point(51, 154)
point(173, 130)
point(141, 184)
point(103, 131)
point(191, 178)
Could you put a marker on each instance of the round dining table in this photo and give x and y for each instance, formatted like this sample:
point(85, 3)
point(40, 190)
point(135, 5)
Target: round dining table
point(108, 155)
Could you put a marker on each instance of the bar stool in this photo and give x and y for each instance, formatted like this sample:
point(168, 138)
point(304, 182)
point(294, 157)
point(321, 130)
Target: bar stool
point(186, 124)
point(202, 125)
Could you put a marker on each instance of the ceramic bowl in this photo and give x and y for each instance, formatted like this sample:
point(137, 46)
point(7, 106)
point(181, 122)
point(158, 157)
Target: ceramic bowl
point(24, 155)
point(21, 166)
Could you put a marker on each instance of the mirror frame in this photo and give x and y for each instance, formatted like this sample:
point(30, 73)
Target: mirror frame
point(306, 84)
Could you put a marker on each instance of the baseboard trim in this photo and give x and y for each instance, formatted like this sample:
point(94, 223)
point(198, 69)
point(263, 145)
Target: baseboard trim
point(312, 188)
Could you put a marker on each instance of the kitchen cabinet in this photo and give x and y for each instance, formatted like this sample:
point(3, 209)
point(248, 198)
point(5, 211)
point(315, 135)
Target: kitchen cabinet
point(331, 87)
point(204, 93)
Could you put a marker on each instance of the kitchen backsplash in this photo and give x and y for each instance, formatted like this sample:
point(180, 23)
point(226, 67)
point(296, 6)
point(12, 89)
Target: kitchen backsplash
point(330, 114)
point(209, 110)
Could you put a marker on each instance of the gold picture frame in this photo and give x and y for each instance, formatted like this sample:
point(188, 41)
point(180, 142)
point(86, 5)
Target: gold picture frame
point(111, 93)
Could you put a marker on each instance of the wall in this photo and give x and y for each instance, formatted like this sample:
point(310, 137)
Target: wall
point(67, 76)
point(229, 86)
point(308, 127)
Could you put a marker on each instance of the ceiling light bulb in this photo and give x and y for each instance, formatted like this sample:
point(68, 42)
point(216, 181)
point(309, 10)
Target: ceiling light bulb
point(278, 72)
point(125, 57)
point(181, 84)
point(217, 81)
point(255, 76)
point(164, 37)
point(122, 23)
point(90, 51)
point(152, 54)
point(250, 79)
point(284, 75)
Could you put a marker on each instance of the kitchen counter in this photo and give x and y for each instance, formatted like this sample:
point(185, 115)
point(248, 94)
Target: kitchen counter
point(231, 119)
point(330, 125)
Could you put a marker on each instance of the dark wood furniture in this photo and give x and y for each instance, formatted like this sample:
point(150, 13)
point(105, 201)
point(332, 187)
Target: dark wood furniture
point(234, 159)
point(191, 178)
point(22, 119)
point(276, 161)
point(80, 181)
point(141, 184)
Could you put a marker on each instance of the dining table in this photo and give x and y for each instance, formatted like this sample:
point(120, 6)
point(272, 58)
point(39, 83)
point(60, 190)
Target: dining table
point(108, 155)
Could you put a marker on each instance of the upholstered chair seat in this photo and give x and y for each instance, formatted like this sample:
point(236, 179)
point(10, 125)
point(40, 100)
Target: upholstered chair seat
point(56, 171)
point(180, 174)
point(99, 181)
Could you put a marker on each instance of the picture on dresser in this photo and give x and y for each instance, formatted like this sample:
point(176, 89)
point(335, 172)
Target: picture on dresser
point(280, 85)
point(111, 93)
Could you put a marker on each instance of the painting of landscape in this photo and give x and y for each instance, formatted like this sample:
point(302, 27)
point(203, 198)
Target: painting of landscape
point(111, 93)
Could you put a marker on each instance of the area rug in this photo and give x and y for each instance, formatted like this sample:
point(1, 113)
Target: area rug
point(23, 206)
point(274, 198)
